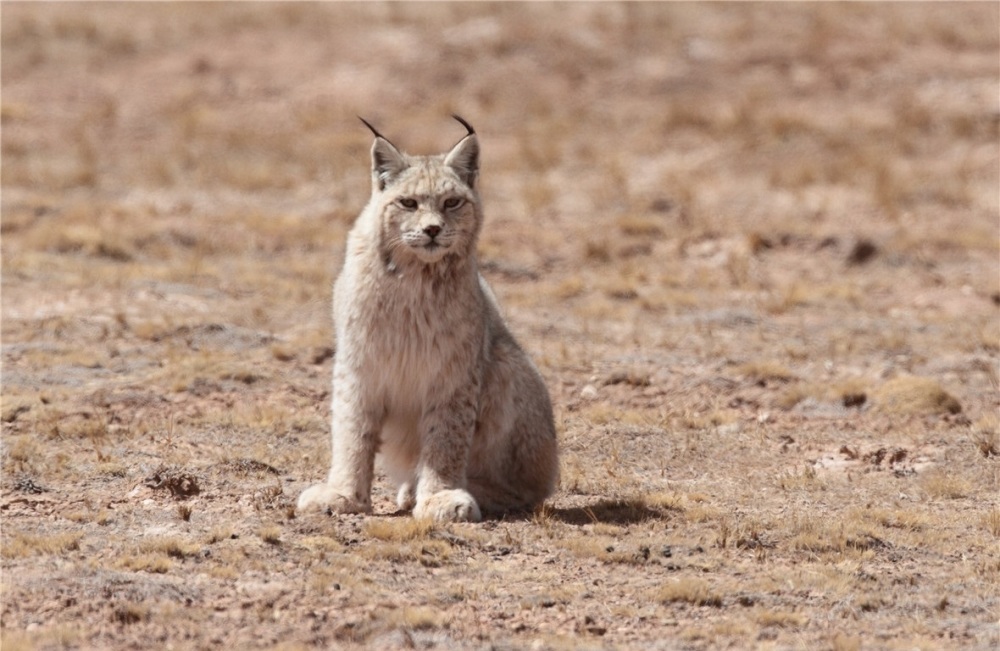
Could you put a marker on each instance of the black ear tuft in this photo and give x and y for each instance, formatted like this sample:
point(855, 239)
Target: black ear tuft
point(372, 129)
point(464, 124)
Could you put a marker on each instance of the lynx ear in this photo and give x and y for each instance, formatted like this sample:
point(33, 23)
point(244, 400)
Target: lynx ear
point(464, 157)
point(387, 161)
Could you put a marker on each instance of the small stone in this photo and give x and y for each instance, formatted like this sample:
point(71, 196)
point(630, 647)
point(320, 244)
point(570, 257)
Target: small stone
point(862, 252)
point(588, 392)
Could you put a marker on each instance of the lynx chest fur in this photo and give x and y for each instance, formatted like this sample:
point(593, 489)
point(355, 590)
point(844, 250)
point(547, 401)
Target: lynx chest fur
point(426, 374)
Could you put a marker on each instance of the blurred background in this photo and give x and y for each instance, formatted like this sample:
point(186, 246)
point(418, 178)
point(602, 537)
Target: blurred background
point(711, 114)
point(641, 161)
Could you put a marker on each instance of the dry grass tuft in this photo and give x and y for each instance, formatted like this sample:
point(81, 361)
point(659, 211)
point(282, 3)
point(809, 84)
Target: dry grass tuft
point(896, 518)
point(130, 613)
point(781, 619)
point(941, 483)
point(986, 435)
point(271, 534)
point(766, 372)
point(322, 544)
point(23, 453)
point(908, 394)
point(610, 549)
point(429, 553)
point(399, 529)
point(172, 546)
point(991, 522)
point(852, 393)
point(184, 512)
point(644, 227)
point(419, 618)
point(219, 533)
point(20, 544)
point(688, 590)
point(745, 533)
point(12, 409)
point(844, 535)
point(154, 563)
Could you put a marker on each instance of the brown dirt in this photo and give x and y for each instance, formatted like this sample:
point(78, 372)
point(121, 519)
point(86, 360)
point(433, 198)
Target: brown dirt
point(723, 231)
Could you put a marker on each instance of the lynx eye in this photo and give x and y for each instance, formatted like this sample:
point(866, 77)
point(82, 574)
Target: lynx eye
point(452, 203)
point(409, 204)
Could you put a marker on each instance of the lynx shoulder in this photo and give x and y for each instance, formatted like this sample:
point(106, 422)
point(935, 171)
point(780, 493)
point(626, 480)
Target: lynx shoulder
point(427, 377)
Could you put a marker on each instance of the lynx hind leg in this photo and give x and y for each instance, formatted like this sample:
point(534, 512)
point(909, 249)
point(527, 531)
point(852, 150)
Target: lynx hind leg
point(517, 489)
point(521, 473)
point(325, 496)
point(497, 498)
point(523, 476)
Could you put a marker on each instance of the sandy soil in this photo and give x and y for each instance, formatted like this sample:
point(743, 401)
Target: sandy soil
point(754, 249)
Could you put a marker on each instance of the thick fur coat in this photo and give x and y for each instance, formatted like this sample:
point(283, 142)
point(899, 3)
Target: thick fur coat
point(426, 373)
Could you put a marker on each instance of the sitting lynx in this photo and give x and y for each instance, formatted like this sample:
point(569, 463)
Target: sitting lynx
point(426, 372)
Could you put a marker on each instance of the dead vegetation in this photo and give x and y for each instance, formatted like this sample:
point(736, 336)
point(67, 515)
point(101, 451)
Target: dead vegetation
point(915, 395)
point(752, 248)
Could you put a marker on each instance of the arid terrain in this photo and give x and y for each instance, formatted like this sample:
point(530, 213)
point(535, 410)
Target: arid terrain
point(753, 248)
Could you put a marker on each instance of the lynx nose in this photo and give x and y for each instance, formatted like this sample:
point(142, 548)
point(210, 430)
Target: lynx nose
point(432, 230)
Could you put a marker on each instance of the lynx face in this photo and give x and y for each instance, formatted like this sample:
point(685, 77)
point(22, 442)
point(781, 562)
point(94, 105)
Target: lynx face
point(428, 214)
point(428, 205)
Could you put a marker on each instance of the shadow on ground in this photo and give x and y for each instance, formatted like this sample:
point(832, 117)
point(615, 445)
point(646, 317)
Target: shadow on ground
point(620, 511)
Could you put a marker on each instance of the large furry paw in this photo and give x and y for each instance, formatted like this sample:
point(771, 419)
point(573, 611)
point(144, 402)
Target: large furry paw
point(325, 496)
point(454, 505)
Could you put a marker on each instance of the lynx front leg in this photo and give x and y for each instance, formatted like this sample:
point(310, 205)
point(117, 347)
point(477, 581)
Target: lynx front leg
point(446, 435)
point(355, 439)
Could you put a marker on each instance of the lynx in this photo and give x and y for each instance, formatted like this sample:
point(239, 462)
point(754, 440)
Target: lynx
point(426, 374)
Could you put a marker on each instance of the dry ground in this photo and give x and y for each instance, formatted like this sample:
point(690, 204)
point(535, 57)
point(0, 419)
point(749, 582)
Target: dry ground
point(755, 250)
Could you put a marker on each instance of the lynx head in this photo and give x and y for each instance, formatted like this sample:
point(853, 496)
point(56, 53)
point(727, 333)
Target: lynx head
point(428, 205)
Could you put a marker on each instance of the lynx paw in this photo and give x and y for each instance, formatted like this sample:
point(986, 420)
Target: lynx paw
point(323, 496)
point(454, 505)
point(406, 497)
